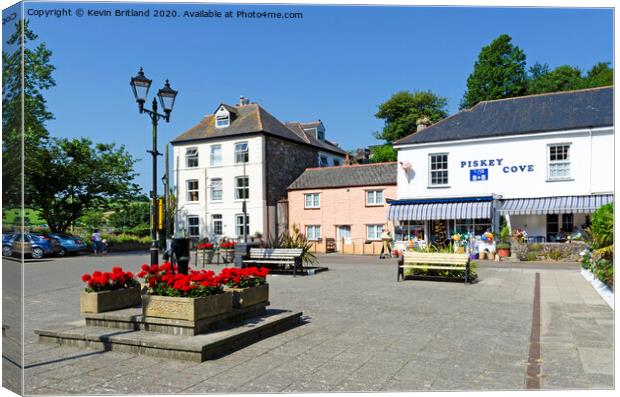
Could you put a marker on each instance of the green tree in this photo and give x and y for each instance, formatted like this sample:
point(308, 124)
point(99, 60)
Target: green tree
point(600, 75)
point(38, 78)
point(74, 176)
point(498, 73)
point(131, 215)
point(383, 153)
point(562, 78)
point(402, 111)
point(93, 218)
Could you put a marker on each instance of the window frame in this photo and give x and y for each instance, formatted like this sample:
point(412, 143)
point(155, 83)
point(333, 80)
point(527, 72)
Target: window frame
point(222, 117)
point(375, 203)
point(212, 186)
point(316, 202)
point(246, 187)
point(219, 220)
point(566, 161)
point(240, 153)
point(431, 170)
point(189, 191)
point(313, 236)
point(240, 224)
point(212, 163)
point(188, 158)
point(190, 226)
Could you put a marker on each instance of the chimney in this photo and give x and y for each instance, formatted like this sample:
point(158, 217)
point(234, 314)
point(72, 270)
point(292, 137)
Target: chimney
point(422, 123)
point(347, 160)
point(243, 101)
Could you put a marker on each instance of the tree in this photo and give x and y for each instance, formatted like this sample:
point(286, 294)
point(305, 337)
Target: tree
point(382, 154)
point(75, 176)
point(562, 78)
point(132, 217)
point(402, 111)
point(600, 75)
point(37, 78)
point(498, 73)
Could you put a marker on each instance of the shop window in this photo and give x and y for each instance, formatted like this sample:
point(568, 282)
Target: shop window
point(553, 227)
point(374, 197)
point(438, 165)
point(567, 223)
point(472, 226)
point(313, 232)
point(191, 157)
point(409, 230)
point(192, 190)
point(193, 226)
point(373, 232)
point(216, 189)
point(559, 162)
point(312, 200)
point(242, 188)
point(239, 225)
point(216, 155)
point(216, 222)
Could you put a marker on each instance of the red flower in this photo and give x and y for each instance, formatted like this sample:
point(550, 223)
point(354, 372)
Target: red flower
point(86, 277)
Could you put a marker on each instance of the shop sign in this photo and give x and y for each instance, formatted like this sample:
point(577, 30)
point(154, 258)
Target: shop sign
point(480, 174)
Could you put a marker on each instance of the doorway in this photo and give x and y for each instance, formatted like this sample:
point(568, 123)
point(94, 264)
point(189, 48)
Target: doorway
point(343, 232)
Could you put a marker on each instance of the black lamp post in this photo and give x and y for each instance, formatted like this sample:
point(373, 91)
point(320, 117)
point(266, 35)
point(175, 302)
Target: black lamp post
point(140, 86)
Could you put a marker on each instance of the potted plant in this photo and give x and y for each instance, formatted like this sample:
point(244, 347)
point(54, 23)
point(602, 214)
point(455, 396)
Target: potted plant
point(227, 250)
point(503, 247)
point(207, 249)
point(249, 286)
point(194, 296)
point(107, 291)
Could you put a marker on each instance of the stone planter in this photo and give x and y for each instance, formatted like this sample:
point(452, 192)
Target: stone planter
point(245, 297)
point(104, 301)
point(190, 309)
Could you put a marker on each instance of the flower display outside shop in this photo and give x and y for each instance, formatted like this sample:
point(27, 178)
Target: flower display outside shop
point(244, 278)
point(227, 245)
point(109, 281)
point(487, 236)
point(205, 246)
point(163, 280)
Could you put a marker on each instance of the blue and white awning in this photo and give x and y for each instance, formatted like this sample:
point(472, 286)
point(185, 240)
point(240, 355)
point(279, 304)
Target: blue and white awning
point(555, 205)
point(432, 210)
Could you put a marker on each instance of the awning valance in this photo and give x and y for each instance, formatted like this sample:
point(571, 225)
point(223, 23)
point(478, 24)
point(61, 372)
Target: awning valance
point(443, 210)
point(555, 205)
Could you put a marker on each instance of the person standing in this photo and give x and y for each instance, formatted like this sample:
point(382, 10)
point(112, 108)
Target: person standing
point(96, 239)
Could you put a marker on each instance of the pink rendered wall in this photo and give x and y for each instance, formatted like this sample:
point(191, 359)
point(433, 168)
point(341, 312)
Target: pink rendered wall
point(340, 206)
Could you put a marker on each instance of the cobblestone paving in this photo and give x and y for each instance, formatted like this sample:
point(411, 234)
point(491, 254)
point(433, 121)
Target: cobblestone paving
point(363, 332)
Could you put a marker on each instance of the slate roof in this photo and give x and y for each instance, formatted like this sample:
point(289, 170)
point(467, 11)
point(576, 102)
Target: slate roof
point(298, 129)
point(556, 111)
point(249, 119)
point(347, 175)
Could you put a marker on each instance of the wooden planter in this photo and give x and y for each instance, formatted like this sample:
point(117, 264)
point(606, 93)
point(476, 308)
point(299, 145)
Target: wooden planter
point(190, 309)
point(104, 301)
point(245, 297)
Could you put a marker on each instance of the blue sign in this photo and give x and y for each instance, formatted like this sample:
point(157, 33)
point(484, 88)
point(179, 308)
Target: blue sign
point(480, 174)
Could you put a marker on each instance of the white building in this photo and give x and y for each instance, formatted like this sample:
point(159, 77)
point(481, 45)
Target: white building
point(242, 153)
point(545, 162)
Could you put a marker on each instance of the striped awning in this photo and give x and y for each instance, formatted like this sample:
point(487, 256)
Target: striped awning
point(431, 211)
point(555, 205)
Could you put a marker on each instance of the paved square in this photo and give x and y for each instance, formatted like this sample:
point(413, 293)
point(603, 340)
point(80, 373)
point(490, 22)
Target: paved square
point(363, 332)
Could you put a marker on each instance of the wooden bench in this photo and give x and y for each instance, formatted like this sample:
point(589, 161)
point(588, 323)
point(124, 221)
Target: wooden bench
point(435, 261)
point(276, 256)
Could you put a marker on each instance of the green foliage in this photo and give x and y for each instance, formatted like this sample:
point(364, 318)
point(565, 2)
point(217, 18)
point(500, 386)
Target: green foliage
point(383, 154)
point(296, 239)
point(555, 255)
point(565, 77)
point(93, 219)
point(532, 256)
point(74, 176)
point(504, 234)
point(402, 111)
point(498, 73)
point(127, 216)
point(12, 217)
point(37, 74)
point(503, 245)
point(603, 269)
point(603, 226)
point(586, 259)
point(535, 247)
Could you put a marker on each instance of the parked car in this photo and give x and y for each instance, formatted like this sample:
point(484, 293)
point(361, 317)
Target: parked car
point(35, 245)
point(69, 244)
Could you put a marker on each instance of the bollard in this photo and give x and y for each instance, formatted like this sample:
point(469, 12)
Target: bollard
point(180, 247)
point(242, 251)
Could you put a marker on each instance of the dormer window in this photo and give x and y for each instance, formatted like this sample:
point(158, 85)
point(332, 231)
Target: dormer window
point(222, 118)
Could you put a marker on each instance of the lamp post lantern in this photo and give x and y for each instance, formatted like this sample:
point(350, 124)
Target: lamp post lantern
point(140, 86)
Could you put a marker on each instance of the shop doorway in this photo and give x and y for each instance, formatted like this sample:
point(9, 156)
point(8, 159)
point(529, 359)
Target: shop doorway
point(439, 233)
point(343, 233)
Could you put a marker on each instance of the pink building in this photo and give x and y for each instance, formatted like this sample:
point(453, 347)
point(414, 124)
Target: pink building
point(343, 208)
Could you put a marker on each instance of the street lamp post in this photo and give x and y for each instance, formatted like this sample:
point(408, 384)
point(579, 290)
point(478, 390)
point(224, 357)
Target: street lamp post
point(140, 86)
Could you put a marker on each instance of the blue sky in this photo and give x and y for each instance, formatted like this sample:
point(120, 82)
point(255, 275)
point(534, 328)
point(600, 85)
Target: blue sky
point(336, 64)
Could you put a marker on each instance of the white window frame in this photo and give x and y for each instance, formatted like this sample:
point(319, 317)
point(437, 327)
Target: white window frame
point(431, 170)
point(239, 188)
point(189, 191)
point(315, 201)
point(191, 153)
point(239, 153)
point(213, 189)
point(212, 158)
point(313, 232)
point(222, 118)
point(190, 226)
point(217, 218)
point(566, 162)
point(373, 193)
point(239, 224)
point(377, 230)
